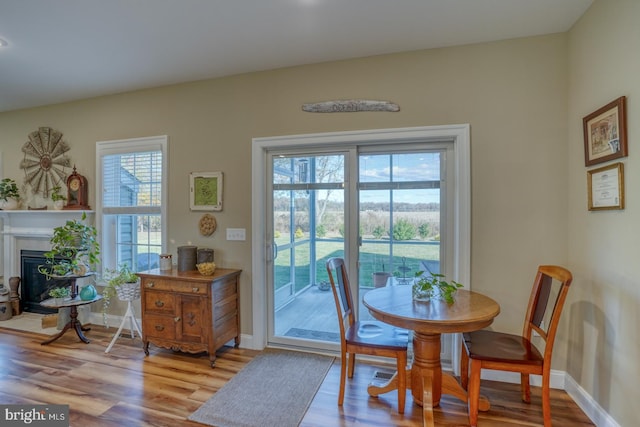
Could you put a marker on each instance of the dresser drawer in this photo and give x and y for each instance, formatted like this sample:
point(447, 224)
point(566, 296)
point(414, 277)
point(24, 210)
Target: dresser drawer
point(159, 302)
point(175, 286)
point(159, 326)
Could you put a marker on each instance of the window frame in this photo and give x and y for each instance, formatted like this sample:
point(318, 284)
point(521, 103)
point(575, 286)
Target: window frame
point(128, 146)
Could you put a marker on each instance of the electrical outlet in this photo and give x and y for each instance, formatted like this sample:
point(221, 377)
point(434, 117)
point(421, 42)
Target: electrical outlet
point(236, 234)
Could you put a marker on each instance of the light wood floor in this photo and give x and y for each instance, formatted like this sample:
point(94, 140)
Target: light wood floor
point(124, 388)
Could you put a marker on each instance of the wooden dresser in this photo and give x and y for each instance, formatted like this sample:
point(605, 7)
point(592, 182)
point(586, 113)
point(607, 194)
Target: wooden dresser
point(186, 311)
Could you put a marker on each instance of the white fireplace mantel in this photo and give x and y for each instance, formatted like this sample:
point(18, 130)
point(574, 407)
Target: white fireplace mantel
point(31, 230)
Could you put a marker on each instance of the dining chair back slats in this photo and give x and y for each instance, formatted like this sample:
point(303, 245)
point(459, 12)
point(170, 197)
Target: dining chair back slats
point(368, 337)
point(494, 350)
point(542, 300)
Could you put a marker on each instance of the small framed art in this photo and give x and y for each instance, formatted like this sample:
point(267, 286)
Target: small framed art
point(606, 187)
point(605, 133)
point(206, 191)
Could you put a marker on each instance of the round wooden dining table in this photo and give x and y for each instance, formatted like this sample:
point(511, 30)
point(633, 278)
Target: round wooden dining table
point(394, 305)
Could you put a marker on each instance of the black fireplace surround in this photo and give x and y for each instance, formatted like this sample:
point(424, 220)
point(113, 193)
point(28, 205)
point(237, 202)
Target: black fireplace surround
point(34, 286)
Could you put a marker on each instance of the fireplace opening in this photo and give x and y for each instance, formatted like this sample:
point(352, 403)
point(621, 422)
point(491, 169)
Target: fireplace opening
point(35, 287)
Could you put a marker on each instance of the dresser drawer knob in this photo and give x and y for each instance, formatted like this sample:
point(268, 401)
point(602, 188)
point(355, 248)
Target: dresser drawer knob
point(150, 285)
point(176, 319)
point(159, 303)
point(159, 328)
point(195, 289)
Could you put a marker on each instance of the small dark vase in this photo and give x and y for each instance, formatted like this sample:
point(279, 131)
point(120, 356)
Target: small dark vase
point(14, 283)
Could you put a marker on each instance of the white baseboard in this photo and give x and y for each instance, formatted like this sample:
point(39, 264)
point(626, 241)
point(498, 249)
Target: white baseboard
point(113, 321)
point(589, 406)
point(557, 379)
point(246, 341)
point(561, 380)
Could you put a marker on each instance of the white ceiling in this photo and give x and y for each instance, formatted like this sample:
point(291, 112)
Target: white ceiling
point(63, 50)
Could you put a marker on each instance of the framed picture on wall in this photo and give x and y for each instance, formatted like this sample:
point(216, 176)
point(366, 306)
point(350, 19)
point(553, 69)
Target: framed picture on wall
point(206, 191)
point(605, 133)
point(606, 187)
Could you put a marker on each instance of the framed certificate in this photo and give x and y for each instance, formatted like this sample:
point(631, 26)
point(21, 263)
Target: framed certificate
point(606, 187)
point(206, 191)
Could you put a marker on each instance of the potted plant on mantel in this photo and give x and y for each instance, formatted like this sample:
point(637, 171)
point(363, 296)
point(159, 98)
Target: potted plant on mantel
point(57, 198)
point(9, 194)
point(74, 250)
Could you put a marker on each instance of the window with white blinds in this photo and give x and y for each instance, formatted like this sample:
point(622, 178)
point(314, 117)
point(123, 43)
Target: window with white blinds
point(132, 201)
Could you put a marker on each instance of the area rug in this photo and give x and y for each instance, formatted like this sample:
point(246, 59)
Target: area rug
point(313, 335)
point(273, 390)
point(30, 322)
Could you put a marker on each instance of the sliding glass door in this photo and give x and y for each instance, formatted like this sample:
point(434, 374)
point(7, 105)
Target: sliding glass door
point(399, 199)
point(307, 227)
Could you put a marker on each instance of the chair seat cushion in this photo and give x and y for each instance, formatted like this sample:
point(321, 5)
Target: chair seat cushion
point(500, 347)
point(377, 334)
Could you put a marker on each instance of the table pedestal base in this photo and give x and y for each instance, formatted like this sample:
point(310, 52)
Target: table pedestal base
point(74, 324)
point(426, 379)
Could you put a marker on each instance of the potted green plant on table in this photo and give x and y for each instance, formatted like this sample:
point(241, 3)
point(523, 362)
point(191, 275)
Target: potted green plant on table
point(57, 198)
point(9, 194)
point(434, 286)
point(59, 294)
point(122, 282)
point(74, 249)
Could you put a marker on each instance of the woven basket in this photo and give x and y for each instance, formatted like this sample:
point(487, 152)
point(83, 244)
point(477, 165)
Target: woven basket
point(128, 291)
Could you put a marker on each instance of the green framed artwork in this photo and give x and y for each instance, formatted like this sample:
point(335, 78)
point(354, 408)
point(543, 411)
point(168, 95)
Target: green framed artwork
point(206, 191)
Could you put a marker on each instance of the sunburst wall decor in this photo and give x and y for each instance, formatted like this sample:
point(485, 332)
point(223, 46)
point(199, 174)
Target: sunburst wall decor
point(44, 160)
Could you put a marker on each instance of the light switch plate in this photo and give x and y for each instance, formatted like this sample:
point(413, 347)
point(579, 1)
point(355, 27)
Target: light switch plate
point(236, 234)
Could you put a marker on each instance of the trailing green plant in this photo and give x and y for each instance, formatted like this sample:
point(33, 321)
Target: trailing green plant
point(9, 189)
point(74, 249)
point(435, 285)
point(114, 279)
point(59, 292)
point(55, 195)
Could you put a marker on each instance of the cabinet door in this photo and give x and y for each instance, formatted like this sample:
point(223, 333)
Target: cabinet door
point(191, 326)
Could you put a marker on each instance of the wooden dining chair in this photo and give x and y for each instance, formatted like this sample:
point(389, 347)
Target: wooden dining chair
point(367, 337)
point(516, 353)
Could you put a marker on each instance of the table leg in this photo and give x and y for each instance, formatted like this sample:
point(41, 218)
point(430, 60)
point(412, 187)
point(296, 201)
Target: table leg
point(378, 388)
point(426, 363)
point(427, 402)
point(451, 386)
point(74, 324)
point(426, 379)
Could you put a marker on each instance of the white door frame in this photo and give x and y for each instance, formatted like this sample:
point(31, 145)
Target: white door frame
point(459, 135)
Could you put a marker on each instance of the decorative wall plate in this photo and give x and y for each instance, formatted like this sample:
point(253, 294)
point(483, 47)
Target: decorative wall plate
point(207, 225)
point(44, 160)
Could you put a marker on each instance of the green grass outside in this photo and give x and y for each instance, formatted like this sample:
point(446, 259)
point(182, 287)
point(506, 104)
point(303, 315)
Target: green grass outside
point(372, 258)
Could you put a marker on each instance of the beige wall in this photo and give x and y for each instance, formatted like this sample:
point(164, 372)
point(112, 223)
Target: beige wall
point(512, 93)
point(604, 306)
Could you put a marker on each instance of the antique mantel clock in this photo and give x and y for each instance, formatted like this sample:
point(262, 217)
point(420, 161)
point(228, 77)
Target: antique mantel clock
point(77, 197)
